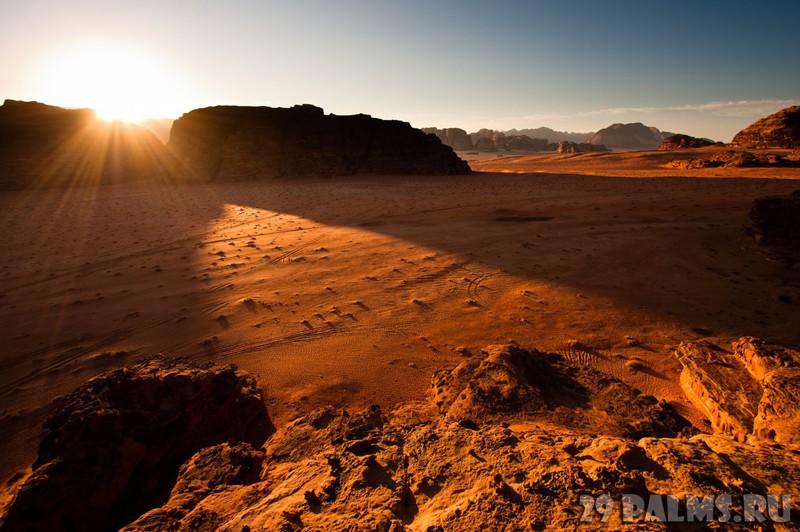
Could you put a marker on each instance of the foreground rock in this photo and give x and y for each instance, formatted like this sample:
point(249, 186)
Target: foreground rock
point(776, 219)
point(684, 142)
point(753, 392)
point(113, 448)
point(46, 146)
point(230, 143)
point(779, 130)
point(508, 440)
point(634, 136)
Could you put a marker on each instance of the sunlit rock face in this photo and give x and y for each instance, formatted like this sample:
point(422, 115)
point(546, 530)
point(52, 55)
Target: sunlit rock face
point(232, 143)
point(47, 146)
point(779, 130)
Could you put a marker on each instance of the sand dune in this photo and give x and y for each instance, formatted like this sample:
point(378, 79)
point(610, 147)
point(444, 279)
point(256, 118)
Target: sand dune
point(353, 291)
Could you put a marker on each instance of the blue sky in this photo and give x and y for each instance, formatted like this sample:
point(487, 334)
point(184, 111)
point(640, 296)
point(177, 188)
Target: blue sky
point(704, 68)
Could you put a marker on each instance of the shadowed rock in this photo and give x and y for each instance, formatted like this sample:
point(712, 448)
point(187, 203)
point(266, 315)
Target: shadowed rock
point(113, 448)
point(776, 218)
point(230, 143)
point(778, 130)
point(46, 146)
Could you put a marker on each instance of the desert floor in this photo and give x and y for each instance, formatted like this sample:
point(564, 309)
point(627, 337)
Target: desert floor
point(354, 290)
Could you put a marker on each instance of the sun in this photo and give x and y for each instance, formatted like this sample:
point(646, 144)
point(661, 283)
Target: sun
point(119, 82)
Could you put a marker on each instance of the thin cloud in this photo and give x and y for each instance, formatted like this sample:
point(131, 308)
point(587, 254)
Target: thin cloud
point(740, 108)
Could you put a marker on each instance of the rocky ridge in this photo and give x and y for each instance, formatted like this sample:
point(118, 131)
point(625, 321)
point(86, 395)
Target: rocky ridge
point(509, 439)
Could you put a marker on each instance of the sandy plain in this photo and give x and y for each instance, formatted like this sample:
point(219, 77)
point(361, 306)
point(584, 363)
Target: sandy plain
point(352, 291)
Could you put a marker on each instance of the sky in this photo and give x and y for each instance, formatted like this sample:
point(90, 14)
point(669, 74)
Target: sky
point(704, 68)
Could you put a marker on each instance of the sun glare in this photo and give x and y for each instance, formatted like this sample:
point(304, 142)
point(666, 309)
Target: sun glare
point(119, 82)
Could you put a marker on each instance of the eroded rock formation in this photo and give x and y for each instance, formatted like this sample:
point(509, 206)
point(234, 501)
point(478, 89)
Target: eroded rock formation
point(47, 146)
point(752, 392)
point(683, 142)
point(230, 143)
point(778, 130)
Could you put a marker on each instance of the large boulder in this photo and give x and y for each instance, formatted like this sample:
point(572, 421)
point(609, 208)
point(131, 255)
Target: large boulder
point(114, 447)
point(634, 136)
point(232, 143)
point(776, 218)
point(779, 130)
point(47, 146)
point(683, 142)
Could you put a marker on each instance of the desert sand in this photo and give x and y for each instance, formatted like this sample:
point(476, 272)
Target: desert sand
point(353, 291)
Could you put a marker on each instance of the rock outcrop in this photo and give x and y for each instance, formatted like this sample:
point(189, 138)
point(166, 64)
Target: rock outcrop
point(490, 140)
point(779, 130)
point(114, 446)
point(508, 440)
point(752, 392)
point(232, 143)
point(566, 146)
point(47, 146)
point(776, 218)
point(456, 138)
point(684, 142)
point(634, 136)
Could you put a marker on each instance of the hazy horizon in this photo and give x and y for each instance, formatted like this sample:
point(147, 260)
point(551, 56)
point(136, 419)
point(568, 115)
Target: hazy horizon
point(707, 70)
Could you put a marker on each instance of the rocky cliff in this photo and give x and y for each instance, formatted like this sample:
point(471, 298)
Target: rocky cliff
point(43, 145)
point(508, 440)
point(683, 142)
point(634, 136)
point(779, 130)
point(230, 143)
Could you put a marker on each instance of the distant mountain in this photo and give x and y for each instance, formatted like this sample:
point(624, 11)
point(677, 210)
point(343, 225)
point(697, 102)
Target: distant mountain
point(634, 136)
point(551, 135)
point(456, 138)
